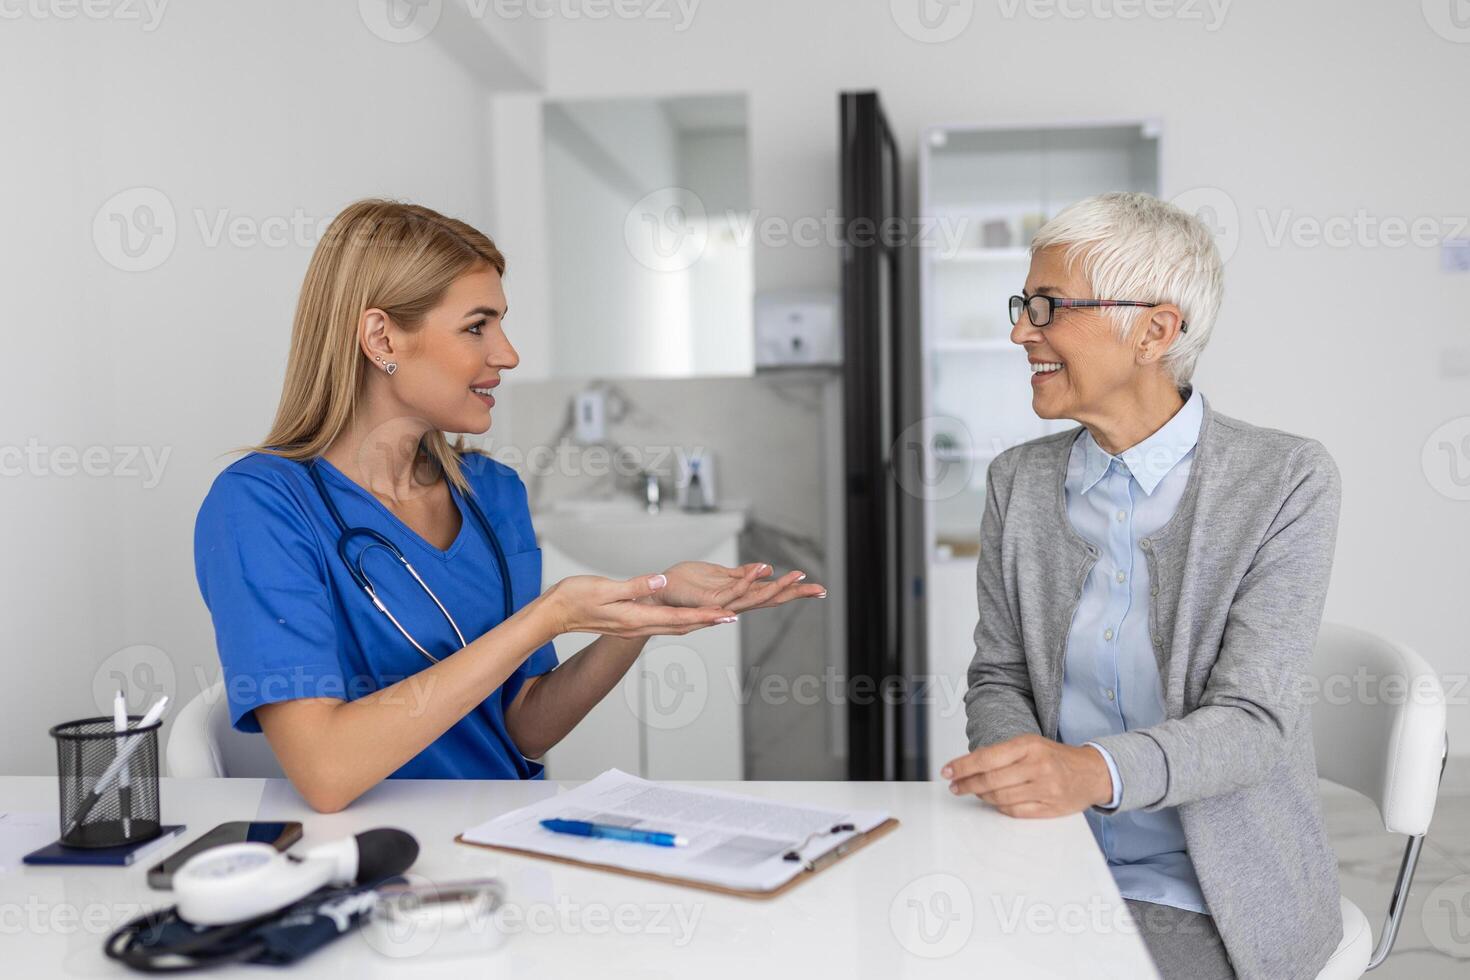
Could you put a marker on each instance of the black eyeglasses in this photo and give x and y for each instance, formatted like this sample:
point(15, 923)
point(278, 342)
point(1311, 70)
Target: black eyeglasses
point(1040, 309)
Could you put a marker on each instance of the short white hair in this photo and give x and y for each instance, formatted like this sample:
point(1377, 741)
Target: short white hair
point(1134, 246)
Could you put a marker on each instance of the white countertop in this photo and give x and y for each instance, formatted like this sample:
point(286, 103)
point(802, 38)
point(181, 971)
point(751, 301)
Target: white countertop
point(957, 890)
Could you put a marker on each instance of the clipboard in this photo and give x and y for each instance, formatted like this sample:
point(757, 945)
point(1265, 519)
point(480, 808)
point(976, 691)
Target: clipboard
point(814, 866)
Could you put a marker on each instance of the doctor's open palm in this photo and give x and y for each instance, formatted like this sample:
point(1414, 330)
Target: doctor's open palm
point(702, 583)
point(688, 597)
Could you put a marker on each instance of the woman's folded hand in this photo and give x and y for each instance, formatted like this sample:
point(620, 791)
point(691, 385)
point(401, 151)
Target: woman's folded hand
point(705, 584)
point(1032, 776)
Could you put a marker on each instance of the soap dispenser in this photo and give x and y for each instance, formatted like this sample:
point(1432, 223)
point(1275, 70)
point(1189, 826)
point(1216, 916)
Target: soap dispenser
point(695, 487)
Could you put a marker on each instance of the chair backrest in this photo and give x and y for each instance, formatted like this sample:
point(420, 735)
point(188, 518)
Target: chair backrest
point(203, 744)
point(1378, 724)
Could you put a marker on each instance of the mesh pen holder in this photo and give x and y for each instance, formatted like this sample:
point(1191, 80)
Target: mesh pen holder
point(104, 804)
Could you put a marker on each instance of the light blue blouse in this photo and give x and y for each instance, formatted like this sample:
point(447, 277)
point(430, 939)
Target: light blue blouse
point(1111, 681)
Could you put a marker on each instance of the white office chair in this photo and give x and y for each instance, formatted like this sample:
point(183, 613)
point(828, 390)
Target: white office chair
point(202, 744)
point(1391, 747)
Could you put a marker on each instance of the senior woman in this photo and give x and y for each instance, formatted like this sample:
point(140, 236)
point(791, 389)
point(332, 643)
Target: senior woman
point(1150, 588)
point(375, 589)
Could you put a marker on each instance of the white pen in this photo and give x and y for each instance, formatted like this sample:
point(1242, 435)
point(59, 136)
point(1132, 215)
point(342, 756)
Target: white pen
point(124, 788)
point(111, 772)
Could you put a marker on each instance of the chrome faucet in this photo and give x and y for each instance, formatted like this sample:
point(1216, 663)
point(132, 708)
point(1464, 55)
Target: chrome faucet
point(651, 494)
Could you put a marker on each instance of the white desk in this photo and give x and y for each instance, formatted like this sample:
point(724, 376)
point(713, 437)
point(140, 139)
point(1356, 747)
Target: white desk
point(957, 890)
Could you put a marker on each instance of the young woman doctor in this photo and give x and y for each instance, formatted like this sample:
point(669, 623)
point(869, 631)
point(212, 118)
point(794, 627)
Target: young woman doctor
point(355, 563)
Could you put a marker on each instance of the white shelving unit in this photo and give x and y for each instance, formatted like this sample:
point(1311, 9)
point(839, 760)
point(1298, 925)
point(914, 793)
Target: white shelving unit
point(990, 188)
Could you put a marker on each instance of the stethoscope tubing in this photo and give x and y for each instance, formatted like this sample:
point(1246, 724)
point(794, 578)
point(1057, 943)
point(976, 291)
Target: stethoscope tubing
point(346, 535)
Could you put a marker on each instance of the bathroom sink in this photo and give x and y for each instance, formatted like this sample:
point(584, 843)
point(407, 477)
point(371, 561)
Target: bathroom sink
point(619, 538)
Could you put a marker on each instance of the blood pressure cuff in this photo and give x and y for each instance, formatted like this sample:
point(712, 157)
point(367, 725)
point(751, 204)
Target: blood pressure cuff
point(161, 942)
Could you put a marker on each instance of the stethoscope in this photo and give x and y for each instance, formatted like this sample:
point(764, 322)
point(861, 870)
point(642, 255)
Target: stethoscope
point(375, 540)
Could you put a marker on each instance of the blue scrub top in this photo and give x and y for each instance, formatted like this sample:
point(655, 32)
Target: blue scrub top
point(291, 623)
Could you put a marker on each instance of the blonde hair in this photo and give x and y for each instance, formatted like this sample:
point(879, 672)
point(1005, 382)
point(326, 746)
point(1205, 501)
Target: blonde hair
point(398, 258)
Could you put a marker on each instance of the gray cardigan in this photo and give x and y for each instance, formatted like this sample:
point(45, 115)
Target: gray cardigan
point(1239, 576)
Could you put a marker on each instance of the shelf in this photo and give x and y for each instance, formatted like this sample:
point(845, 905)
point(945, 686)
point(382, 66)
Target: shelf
point(977, 389)
point(955, 551)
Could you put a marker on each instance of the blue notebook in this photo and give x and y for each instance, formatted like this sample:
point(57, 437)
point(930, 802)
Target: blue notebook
point(121, 856)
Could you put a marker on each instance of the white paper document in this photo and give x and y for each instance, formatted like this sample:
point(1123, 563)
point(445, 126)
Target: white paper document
point(22, 832)
point(735, 840)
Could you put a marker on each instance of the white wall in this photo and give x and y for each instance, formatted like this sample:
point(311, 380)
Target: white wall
point(255, 111)
point(1310, 110)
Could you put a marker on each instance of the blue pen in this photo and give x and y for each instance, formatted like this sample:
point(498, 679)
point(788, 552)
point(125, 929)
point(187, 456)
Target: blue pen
point(582, 828)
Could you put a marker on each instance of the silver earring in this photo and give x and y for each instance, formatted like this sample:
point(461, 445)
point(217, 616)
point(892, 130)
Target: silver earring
point(389, 366)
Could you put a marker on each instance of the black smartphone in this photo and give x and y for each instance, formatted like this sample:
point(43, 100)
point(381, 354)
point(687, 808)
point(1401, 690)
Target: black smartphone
point(279, 835)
